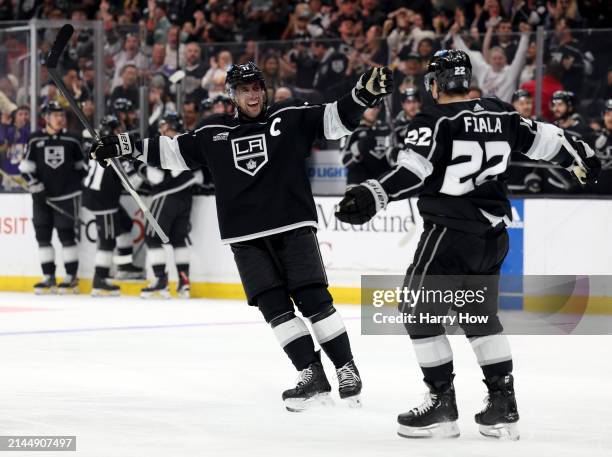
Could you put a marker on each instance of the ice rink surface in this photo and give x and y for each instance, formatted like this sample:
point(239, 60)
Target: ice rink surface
point(182, 378)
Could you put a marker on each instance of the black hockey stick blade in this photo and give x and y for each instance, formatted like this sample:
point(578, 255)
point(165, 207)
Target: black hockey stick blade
point(59, 45)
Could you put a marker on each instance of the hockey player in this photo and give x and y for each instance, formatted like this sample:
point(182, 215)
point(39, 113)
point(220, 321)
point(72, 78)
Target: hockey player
point(126, 113)
point(267, 213)
point(411, 105)
point(364, 153)
point(101, 194)
point(563, 106)
point(171, 199)
point(53, 167)
point(603, 150)
point(523, 103)
point(456, 156)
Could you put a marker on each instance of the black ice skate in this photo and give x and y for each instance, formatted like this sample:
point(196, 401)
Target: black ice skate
point(129, 271)
point(183, 289)
point(157, 289)
point(349, 384)
point(103, 288)
point(312, 389)
point(69, 285)
point(45, 286)
point(436, 417)
point(499, 417)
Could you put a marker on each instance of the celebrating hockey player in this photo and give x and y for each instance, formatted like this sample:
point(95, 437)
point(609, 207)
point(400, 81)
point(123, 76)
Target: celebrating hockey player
point(101, 195)
point(53, 167)
point(456, 155)
point(267, 213)
point(171, 199)
point(364, 153)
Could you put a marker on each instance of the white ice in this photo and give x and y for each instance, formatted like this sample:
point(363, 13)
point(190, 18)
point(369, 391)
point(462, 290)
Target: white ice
point(203, 378)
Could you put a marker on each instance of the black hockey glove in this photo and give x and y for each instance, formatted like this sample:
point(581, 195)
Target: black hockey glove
point(122, 145)
point(373, 85)
point(362, 202)
point(586, 167)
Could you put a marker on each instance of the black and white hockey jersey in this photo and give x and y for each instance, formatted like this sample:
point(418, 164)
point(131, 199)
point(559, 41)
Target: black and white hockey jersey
point(364, 153)
point(102, 187)
point(166, 182)
point(258, 167)
point(456, 161)
point(57, 161)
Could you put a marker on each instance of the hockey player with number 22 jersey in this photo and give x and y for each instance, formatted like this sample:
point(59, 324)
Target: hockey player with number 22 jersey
point(455, 158)
point(267, 213)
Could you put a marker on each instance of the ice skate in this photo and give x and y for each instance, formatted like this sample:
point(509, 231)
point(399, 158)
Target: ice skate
point(129, 271)
point(183, 289)
point(499, 417)
point(102, 287)
point(157, 289)
point(69, 285)
point(312, 389)
point(46, 286)
point(436, 417)
point(349, 384)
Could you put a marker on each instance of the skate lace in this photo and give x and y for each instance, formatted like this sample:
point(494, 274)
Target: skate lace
point(346, 376)
point(426, 405)
point(304, 377)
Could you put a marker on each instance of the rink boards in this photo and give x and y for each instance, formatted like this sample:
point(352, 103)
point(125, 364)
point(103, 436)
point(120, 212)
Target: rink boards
point(548, 237)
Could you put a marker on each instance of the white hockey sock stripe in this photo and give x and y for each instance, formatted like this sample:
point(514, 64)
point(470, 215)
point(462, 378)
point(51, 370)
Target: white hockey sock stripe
point(104, 258)
point(181, 256)
point(290, 331)
point(122, 259)
point(433, 351)
point(157, 256)
point(328, 328)
point(491, 349)
point(46, 254)
point(70, 253)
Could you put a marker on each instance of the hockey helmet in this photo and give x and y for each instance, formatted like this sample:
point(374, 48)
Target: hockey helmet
point(521, 93)
point(173, 120)
point(608, 105)
point(108, 124)
point(410, 94)
point(123, 105)
point(565, 96)
point(451, 69)
point(50, 107)
point(206, 104)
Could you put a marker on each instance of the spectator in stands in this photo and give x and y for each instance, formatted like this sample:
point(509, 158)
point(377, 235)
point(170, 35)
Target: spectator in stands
point(282, 93)
point(496, 77)
point(14, 136)
point(213, 81)
point(171, 48)
point(194, 72)
point(130, 55)
point(157, 23)
point(550, 84)
point(376, 51)
point(190, 114)
point(129, 85)
point(528, 71)
point(501, 36)
point(159, 102)
point(489, 15)
point(270, 68)
point(223, 22)
point(371, 14)
point(158, 61)
point(299, 26)
point(397, 29)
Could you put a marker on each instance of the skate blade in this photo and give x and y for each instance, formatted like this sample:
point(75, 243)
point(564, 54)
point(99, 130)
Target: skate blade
point(129, 276)
point(159, 295)
point(67, 290)
point(439, 430)
point(184, 294)
point(353, 402)
point(45, 291)
point(105, 293)
point(509, 432)
point(297, 405)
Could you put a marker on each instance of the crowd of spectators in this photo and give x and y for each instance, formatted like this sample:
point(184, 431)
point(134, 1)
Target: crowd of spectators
point(313, 50)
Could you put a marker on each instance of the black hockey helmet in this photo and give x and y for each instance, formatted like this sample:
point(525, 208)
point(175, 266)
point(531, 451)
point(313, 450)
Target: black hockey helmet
point(50, 107)
point(222, 98)
point(451, 69)
point(108, 124)
point(521, 93)
point(410, 93)
point(243, 74)
point(173, 120)
point(608, 105)
point(565, 96)
point(123, 105)
point(206, 104)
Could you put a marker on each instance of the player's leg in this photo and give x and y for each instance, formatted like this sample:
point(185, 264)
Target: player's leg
point(158, 288)
point(492, 349)
point(437, 415)
point(67, 234)
point(43, 228)
point(299, 254)
point(179, 238)
point(265, 288)
point(125, 248)
point(105, 225)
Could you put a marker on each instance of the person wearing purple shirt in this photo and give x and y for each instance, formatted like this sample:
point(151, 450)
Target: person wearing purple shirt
point(14, 136)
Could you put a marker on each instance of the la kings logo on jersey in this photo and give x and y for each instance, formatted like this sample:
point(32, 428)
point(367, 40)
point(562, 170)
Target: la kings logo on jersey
point(54, 156)
point(250, 153)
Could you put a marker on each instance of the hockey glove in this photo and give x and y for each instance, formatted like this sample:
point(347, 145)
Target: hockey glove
point(122, 145)
point(372, 86)
point(37, 189)
point(362, 202)
point(586, 167)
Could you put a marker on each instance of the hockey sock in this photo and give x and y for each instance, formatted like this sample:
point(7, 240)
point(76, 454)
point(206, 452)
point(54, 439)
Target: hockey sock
point(46, 255)
point(493, 354)
point(435, 358)
point(103, 263)
point(295, 339)
point(157, 257)
point(124, 249)
point(330, 333)
point(70, 255)
point(181, 257)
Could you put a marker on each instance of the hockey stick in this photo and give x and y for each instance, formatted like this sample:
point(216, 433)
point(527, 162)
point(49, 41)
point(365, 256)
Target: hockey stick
point(56, 50)
point(48, 202)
